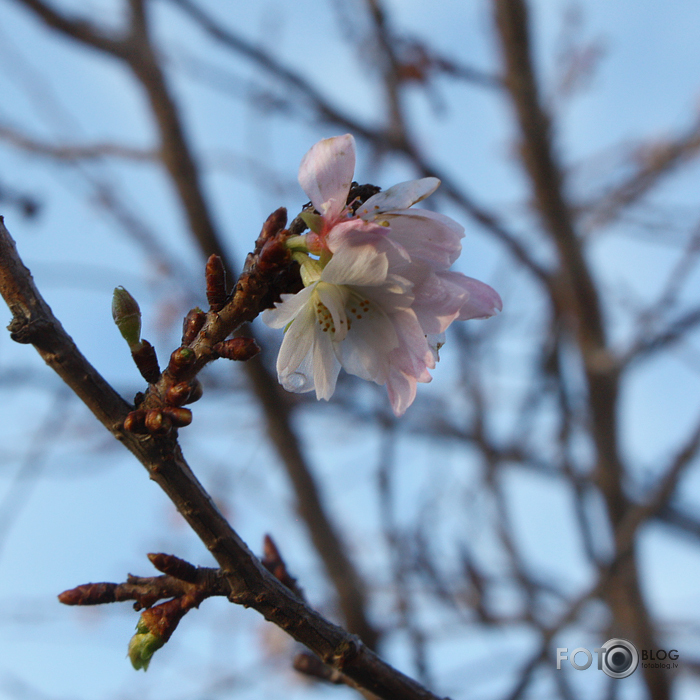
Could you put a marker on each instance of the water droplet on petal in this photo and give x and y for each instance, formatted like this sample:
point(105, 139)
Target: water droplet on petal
point(298, 382)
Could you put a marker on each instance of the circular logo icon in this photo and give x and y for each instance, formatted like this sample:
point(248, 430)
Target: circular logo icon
point(620, 658)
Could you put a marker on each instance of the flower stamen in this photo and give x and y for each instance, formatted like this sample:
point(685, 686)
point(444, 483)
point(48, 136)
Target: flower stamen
point(324, 317)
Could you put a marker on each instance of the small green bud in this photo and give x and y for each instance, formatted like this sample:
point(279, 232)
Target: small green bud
point(297, 243)
point(312, 220)
point(143, 645)
point(127, 316)
point(310, 268)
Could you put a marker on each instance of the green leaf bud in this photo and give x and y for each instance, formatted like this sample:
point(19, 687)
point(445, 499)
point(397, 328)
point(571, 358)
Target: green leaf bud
point(143, 645)
point(127, 316)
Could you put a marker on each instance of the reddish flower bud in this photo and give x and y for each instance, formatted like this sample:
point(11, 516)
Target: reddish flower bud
point(192, 325)
point(273, 224)
point(216, 283)
point(174, 566)
point(240, 349)
point(181, 360)
point(273, 254)
point(146, 360)
point(179, 417)
point(157, 423)
point(178, 394)
point(89, 594)
point(196, 392)
point(183, 392)
point(273, 562)
point(135, 422)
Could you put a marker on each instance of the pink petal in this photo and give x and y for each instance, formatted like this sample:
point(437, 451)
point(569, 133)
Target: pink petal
point(402, 391)
point(325, 174)
point(355, 232)
point(413, 355)
point(439, 301)
point(483, 301)
point(426, 235)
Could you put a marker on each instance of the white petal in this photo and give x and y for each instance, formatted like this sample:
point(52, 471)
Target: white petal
point(325, 366)
point(306, 360)
point(357, 265)
point(287, 309)
point(301, 380)
point(365, 350)
point(400, 196)
point(295, 353)
point(325, 174)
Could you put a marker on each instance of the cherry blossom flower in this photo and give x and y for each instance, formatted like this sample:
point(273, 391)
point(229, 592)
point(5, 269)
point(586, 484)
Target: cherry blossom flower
point(378, 293)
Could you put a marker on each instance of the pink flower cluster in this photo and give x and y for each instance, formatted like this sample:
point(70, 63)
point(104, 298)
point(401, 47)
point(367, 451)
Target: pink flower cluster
point(378, 293)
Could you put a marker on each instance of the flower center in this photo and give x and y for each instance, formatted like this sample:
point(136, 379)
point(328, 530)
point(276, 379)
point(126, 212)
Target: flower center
point(324, 317)
point(356, 307)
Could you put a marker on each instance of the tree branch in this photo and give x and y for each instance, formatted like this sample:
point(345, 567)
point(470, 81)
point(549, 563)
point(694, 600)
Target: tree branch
point(80, 29)
point(251, 583)
point(75, 151)
point(136, 50)
point(579, 306)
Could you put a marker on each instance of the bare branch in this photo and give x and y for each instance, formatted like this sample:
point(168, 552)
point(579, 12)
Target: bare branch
point(674, 332)
point(251, 583)
point(78, 28)
point(177, 156)
point(75, 151)
point(580, 306)
point(310, 95)
point(655, 161)
point(661, 495)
